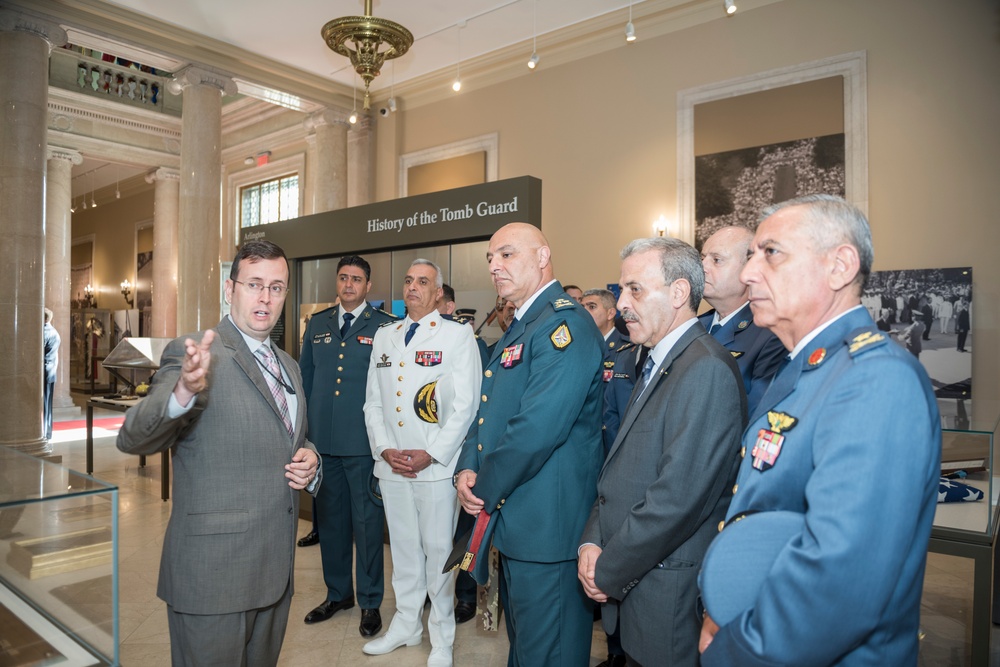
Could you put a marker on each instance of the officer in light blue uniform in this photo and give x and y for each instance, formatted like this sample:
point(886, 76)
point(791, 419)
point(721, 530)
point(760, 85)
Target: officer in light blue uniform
point(532, 455)
point(848, 435)
point(757, 351)
point(335, 357)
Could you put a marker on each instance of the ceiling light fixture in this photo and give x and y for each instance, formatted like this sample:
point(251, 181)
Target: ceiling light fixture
point(72, 205)
point(629, 28)
point(93, 199)
point(375, 40)
point(118, 194)
point(457, 85)
point(730, 7)
point(533, 60)
point(353, 118)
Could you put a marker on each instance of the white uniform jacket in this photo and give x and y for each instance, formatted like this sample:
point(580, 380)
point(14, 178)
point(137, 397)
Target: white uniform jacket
point(422, 395)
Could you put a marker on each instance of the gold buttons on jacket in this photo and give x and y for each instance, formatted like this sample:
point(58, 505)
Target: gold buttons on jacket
point(480, 420)
point(399, 393)
point(340, 369)
point(338, 380)
point(399, 409)
point(400, 378)
point(479, 447)
point(343, 344)
point(341, 356)
point(401, 364)
point(735, 486)
point(722, 524)
point(484, 398)
point(743, 452)
point(336, 393)
point(400, 423)
point(488, 373)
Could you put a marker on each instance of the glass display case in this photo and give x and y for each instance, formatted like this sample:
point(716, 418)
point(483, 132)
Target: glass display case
point(58, 565)
point(90, 341)
point(968, 529)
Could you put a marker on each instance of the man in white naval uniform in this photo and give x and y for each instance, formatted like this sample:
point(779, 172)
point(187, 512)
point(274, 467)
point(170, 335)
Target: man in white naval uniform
point(422, 393)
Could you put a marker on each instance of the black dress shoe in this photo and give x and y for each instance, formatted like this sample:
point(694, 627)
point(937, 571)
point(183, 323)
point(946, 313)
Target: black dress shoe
point(328, 609)
point(309, 540)
point(614, 661)
point(371, 622)
point(464, 611)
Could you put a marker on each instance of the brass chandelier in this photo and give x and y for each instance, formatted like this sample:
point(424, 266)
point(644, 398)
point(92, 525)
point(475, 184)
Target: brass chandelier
point(369, 35)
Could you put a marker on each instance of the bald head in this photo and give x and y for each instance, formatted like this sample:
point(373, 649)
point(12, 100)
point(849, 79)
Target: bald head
point(723, 257)
point(520, 261)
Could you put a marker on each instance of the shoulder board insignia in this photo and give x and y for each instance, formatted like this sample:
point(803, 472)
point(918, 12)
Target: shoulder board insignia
point(385, 324)
point(625, 348)
point(387, 313)
point(561, 303)
point(865, 340)
point(561, 337)
point(736, 354)
point(743, 324)
point(781, 421)
point(817, 356)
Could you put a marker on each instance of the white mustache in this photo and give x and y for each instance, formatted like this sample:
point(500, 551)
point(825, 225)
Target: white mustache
point(629, 316)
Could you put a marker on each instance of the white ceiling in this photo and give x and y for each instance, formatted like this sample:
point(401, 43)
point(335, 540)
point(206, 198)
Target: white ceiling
point(289, 31)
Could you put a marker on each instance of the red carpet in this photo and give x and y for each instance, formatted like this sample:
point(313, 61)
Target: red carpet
point(105, 423)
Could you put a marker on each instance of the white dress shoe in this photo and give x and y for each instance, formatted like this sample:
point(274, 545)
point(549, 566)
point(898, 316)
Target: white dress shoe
point(387, 644)
point(439, 657)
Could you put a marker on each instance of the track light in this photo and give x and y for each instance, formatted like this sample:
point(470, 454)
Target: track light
point(93, 199)
point(533, 60)
point(457, 85)
point(629, 28)
point(118, 194)
point(730, 7)
point(72, 205)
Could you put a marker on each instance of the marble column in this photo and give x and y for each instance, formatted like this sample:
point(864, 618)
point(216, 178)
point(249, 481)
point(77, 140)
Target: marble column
point(200, 202)
point(360, 174)
point(165, 207)
point(58, 244)
point(25, 42)
point(328, 160)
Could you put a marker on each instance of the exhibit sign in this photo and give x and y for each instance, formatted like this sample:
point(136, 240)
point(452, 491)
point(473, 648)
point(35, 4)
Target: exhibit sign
point(471, 213)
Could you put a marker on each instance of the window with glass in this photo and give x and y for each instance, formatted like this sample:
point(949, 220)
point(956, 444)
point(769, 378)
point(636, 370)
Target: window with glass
point(269, 201)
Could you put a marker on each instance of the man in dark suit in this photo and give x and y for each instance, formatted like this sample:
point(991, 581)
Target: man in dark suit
point(757, 351)
point(336, 350)
point(848, 436)
point(228, 404)
point(668, 479)
point(531, 457)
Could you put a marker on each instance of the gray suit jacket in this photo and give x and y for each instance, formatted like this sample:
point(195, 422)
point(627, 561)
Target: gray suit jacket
point(230, 543)
point(665, 486)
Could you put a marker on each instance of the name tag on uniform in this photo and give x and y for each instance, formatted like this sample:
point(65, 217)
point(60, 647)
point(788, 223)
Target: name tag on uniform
point(511, 356)
point(365, 340)
point(428, 357)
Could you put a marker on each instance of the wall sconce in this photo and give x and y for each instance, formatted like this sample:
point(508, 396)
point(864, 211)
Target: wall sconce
point(88, 297)
point(661, 227)
point(127, 292)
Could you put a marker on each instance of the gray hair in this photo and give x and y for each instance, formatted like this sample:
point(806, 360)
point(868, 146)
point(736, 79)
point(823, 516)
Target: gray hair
point(677, 260)
point(426, 262)
point(608, 299)
point(833, 221)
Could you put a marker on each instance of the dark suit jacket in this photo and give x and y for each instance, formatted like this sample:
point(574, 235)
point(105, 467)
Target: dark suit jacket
point(335, 374)
point(662, 492)
point(230, 542)
point(536, 441)
point(757, 351)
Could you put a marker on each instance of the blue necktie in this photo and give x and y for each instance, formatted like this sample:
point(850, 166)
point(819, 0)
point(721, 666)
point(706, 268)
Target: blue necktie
point(647, 371)
point(715, 327)
point(347, 324)
point(409, 333)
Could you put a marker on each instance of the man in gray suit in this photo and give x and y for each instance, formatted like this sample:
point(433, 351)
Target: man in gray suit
point(668, 479)
point(228, 404)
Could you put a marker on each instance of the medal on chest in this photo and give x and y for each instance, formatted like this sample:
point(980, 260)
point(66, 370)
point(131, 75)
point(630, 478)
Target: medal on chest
point(769, 442)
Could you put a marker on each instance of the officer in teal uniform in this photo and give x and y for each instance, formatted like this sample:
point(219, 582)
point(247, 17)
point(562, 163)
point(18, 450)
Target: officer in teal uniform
point(847, 435)
point(533, 453)
point(335, 356)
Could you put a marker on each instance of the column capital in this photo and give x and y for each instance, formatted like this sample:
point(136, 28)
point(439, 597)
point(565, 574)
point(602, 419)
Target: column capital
point(16, 21)
point(364, 124)
point(163, 174)
point(59, 153)
point(193, 76)
point(326, 116)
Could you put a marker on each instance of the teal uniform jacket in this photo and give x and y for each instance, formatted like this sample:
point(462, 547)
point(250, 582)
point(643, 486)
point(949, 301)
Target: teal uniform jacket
point(862, 461)
point(335, 373)
point(536, 442)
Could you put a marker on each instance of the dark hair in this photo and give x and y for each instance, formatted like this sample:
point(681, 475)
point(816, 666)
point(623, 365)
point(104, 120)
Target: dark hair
point(254, 251)
point(569, 287)
point(355, 260)
point(449, 292)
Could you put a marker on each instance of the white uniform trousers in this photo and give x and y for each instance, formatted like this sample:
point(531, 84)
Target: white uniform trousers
point(421, 518)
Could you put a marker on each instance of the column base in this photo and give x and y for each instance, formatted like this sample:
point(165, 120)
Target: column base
point(40, 447)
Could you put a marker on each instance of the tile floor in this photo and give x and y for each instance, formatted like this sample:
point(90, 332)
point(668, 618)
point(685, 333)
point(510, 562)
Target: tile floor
point(143, 627)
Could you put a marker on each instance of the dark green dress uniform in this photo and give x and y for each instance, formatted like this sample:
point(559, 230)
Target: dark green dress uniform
point(536, 448)
point(334, 373)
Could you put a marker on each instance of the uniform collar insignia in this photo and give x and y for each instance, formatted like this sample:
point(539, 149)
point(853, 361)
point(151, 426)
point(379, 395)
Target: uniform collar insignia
point(743, 324)
point(817, 356)
point(780, 421)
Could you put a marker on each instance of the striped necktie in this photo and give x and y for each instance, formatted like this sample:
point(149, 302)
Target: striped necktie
point(277, 391)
